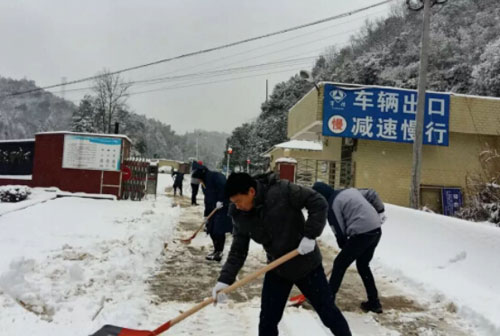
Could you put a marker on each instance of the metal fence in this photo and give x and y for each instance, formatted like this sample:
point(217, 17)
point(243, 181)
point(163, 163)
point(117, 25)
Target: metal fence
point(339, 174)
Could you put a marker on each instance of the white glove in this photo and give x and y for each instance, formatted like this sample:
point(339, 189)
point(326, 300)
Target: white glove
point(219, 205)
point(383, 217)
point(219, 297)
point(306, 246)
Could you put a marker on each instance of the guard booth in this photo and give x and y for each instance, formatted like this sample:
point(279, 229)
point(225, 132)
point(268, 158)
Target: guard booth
point(75, 162)
point(80, 162)
point(286, 168)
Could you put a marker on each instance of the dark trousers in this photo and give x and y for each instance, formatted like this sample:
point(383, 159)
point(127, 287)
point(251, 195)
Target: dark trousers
point(218, 241)
point(180, 188)
point(315, 288)
point(194, 192)
point(360, 248)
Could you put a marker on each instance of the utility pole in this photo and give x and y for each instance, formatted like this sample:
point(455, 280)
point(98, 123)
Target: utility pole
point(422, 83)
point(267, 90)
point(197, 136)
point(419, 127)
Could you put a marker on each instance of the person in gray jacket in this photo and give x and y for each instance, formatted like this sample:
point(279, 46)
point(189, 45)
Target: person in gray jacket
point(355, 216)
point(269, 211)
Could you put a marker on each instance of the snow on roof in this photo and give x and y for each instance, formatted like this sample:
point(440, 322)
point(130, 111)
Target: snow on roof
point(88, 134)
point(18, 140)
point(286, 160)
point(301, 144)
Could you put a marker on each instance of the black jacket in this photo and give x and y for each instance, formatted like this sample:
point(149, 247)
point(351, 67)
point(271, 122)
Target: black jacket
point(219, 223)
point(277, 222)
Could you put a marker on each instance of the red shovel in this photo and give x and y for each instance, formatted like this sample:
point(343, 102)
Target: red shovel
point(300, 299)
point(188, 240)
point(110, 330)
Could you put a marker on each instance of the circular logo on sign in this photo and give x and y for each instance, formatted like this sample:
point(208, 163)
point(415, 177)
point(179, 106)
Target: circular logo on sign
point(126, 173)
point(337, 124)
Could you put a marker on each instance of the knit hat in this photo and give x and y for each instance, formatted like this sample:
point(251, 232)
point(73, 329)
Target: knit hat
point(324, 189)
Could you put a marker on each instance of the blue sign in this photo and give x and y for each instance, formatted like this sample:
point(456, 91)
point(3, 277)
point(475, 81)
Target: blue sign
point(452, 200)
point(379, 113)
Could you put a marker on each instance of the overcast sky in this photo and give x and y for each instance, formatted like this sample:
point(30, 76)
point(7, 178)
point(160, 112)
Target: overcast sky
point(48, 40)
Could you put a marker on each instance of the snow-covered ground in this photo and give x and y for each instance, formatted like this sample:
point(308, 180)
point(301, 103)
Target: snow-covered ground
point(70, 265)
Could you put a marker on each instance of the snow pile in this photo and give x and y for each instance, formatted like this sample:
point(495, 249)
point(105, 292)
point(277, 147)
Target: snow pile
point(445, 255)
point(14, 193)
point(75, 264)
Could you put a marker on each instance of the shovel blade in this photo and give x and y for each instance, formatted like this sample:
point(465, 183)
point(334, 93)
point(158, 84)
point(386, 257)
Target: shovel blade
point(186, 241)
point(110, 330)
point(298, 298)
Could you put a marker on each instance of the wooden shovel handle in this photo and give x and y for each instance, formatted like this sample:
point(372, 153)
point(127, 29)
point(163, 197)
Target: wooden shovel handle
point(201, 226)
point(206, 220)
point(226, 290)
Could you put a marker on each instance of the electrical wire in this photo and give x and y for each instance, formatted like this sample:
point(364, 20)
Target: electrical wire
point(199, 52)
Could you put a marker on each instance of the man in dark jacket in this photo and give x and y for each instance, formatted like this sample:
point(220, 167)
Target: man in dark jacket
point(178, 178)
point(269, 211)
point(355, 216)
point(195, 183)
point(219, 224)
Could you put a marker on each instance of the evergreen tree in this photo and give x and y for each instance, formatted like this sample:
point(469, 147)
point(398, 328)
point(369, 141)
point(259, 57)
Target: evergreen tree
point(83, 117)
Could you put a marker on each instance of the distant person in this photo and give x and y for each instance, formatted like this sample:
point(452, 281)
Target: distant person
point(219, 224)
point(355, 216)
point(195, 183)
point(178, 178)
point(269, 211)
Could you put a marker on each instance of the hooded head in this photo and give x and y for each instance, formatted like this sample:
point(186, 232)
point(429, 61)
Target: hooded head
point(200, 173)
point(324, 189)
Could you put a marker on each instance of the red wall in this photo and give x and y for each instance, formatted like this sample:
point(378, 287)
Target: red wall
point(48, 171)
point(4, 181)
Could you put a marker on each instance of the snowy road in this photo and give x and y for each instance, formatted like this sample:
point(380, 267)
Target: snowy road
point(70, 265)
point(186, 277)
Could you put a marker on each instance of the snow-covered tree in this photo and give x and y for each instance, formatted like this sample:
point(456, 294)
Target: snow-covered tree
point(84, 117)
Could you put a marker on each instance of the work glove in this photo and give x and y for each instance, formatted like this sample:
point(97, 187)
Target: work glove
point(219, 297)
point(205, 220)
point(219, 205)
point(306, 245)
point(383, 217)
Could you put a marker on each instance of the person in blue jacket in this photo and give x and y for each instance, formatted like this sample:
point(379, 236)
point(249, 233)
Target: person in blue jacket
point(355, 216)
point(213, 184)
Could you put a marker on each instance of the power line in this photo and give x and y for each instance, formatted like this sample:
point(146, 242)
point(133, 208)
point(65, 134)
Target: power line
point(213, 73)
point(206, 50)
point(246, 52)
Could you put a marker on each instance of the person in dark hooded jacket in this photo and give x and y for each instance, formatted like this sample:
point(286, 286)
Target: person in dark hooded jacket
point(219, 224)
point(269, 211)
point(195, 183)
point(355, 216)
point(178, 178)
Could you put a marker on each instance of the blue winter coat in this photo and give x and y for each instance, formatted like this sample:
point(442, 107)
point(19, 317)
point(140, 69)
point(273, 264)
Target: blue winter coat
point(219, 223)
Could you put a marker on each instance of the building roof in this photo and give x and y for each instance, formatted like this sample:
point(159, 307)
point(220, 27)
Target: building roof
point(286, 160)
point(296, 144)
point(301, 144)
point(17, 140)
point(88, 134)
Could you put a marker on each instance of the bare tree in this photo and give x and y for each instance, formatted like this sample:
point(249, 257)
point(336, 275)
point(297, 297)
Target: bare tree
point(110, 96)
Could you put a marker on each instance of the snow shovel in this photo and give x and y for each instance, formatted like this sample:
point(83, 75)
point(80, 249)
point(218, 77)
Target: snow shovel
point(300, 299)
point(110, 330)
point(188, 240)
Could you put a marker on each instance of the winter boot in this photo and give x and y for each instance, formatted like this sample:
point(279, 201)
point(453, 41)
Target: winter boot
point(215, 256)
point(210, 256)
point(218, 256)
point(373, 306)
